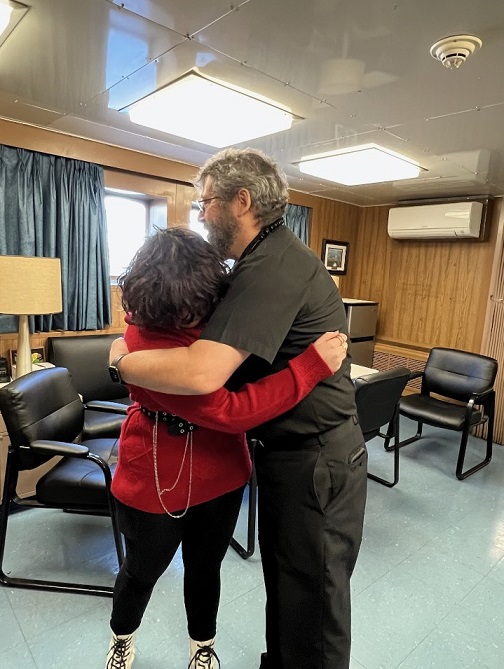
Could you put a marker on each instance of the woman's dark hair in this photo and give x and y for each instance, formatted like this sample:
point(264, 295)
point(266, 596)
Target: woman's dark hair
point(175, 280)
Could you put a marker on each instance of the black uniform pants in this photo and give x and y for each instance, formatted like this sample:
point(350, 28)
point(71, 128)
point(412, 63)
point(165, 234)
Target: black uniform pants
point(311, 511)
point(151, 542)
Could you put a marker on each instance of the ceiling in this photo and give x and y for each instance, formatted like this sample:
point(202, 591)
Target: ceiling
point(355, 71)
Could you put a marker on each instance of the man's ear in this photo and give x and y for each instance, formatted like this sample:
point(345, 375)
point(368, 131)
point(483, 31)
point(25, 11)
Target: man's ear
point(244, 201)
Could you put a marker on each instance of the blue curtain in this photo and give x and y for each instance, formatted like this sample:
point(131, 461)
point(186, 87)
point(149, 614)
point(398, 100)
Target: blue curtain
point(54, 207)
point(296, 219)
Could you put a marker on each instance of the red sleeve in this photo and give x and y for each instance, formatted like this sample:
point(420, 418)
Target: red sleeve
point(254, 404)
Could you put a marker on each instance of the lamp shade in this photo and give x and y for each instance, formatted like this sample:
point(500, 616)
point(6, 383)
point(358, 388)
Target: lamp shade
point(30, 285)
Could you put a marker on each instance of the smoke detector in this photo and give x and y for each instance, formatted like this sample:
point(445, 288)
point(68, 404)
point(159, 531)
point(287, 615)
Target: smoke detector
point(453, 51)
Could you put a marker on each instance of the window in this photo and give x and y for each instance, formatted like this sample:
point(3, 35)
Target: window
point(194, 222)
point(127, 228)
point(131, 217)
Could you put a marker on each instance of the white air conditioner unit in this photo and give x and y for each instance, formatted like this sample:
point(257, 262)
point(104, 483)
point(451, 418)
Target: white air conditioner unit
point(436, 221)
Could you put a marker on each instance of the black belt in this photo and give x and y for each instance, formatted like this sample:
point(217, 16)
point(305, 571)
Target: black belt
point(176, 425)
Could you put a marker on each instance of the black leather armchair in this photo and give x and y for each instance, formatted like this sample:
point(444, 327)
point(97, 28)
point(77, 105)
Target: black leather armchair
point(86, 358)
point(465, 383)
point(377, 397)
point(44, 415)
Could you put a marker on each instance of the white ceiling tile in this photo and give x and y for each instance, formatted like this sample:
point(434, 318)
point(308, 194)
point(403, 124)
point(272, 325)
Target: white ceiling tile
point(354, 71)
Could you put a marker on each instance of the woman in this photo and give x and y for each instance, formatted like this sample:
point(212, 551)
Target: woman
point(184, 461)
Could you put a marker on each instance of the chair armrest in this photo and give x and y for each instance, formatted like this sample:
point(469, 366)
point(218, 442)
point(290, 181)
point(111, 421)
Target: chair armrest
point(107, 406)
point(59, 448)
point(415, 375)
point(477, 397)
point(67, 449)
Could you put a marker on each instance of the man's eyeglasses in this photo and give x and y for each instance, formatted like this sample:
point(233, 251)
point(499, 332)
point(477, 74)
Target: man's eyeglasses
point(202, 203)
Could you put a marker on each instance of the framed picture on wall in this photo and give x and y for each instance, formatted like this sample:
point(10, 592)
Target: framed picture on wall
point(335, 256)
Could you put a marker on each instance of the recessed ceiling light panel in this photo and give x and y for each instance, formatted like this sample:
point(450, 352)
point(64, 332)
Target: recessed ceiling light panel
point(210, 112)
point(5, 16)
point(358, 165)
point(11, 13)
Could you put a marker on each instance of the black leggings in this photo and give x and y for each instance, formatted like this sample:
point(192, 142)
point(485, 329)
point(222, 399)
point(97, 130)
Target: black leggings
point(151, 542)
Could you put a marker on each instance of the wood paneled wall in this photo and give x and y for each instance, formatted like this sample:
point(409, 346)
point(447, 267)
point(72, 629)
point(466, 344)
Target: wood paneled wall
point(32, 138)
point(179, 197)
point(431, 293)
point(331, 220)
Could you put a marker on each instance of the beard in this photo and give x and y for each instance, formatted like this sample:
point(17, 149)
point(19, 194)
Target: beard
point(222, 233)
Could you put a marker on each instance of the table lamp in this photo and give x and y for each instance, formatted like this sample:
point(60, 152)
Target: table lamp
point(29, 286)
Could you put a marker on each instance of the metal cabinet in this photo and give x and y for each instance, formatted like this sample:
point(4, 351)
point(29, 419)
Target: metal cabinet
point(362, 317)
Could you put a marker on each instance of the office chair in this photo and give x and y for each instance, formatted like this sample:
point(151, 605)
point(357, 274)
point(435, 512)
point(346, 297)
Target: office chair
point(377, 397)
point(44, 415)
point(86, 358)
point(458, 376)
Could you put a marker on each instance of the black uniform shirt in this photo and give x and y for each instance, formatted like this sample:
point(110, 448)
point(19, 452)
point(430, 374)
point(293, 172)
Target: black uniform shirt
point(280, 300)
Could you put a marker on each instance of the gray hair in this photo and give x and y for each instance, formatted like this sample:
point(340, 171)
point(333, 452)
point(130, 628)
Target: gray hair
point(232, 169)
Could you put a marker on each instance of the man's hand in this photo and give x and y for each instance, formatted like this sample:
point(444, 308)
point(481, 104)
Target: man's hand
point(332, 348)
point(118, 347)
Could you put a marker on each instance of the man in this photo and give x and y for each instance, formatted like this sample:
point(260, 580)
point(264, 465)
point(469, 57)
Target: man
point(311, 463)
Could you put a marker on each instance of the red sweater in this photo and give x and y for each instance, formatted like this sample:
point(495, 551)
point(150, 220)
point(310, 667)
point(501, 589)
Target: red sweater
point(220, 461)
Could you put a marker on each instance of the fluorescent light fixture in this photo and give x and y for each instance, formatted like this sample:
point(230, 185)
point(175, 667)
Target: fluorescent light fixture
point(209, 111)
point(357, 165)
point(11, 13)
point(5, 16)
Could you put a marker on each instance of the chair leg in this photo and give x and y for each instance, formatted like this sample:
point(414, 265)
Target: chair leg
point(53, 586)
point(490, 412)
point(4, 514)
point(392, 433)
point(247, 552)
point(35, 584)
point(111, 505)
point(406, 441)
point(461, 475)
point(110, 513)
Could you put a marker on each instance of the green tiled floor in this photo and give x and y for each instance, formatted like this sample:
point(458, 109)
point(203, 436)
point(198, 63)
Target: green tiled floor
point(428, 590)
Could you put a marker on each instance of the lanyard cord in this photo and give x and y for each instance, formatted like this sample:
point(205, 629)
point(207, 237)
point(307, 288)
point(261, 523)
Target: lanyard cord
point(261, 237)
